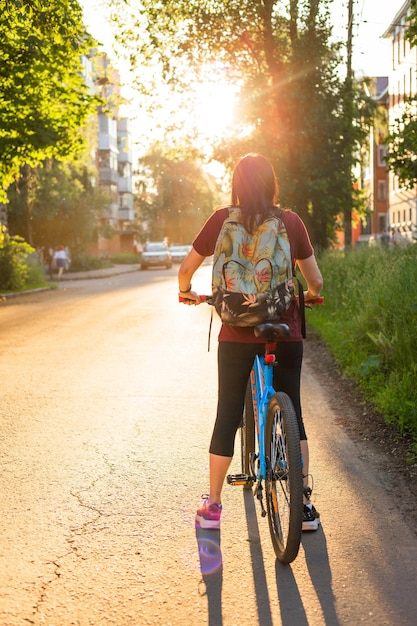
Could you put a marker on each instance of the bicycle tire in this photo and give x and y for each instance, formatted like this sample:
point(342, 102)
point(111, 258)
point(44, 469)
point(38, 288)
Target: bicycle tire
point(284, 482)
point(247, 435)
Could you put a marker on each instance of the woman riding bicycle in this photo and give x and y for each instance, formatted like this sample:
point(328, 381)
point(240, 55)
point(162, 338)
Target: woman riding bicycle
point(255, 192)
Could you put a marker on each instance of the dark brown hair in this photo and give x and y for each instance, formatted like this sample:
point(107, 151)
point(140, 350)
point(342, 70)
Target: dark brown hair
point(254, 188)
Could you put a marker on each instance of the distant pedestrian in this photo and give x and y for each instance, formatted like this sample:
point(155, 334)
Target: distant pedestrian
point(49, 261)
point(68, 259)
point(137, 247)
point(384, 238)
point(395, 238)
point(61, 259)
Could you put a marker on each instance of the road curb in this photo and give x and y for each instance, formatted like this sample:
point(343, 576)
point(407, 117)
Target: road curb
point(103, 273)
point(15, 294)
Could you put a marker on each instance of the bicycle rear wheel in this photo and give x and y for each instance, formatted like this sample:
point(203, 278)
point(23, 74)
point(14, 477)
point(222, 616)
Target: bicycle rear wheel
point(247, 435)
point(284, 482)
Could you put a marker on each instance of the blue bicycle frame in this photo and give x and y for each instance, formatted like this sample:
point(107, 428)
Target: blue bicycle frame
point(261, 378)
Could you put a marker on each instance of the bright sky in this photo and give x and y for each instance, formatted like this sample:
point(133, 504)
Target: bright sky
point(371, 53)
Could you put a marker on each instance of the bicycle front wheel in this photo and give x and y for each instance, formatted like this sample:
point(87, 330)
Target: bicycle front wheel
point(284, 482)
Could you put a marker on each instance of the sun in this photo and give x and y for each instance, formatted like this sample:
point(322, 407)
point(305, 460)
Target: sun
point(212, 104)
point(215, 111)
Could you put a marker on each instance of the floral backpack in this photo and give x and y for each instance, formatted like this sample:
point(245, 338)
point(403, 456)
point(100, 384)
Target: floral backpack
point(252, 278)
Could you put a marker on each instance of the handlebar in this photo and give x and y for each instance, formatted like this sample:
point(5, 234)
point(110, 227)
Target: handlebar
point(209, 300)
point(314, 301)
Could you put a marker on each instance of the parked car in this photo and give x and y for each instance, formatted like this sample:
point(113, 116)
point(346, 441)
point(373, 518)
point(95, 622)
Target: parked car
point(156, 254)
point(178, 253)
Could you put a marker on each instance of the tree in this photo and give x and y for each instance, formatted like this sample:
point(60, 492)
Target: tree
point(292, 105)
point(56, 204)
point(44, 102)
point(401, 155)
point(175, 197)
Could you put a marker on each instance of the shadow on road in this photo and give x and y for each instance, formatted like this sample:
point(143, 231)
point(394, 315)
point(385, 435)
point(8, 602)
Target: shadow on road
point(290, 599)
point(211, 567)
point(291, 604)
point(258, 568)
point(317, 560)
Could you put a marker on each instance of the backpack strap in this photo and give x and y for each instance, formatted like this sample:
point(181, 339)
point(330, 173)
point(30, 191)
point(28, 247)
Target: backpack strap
point(302, 308)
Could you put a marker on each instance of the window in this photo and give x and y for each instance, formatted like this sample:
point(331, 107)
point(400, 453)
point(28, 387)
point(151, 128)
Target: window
point(382, 153)
point(103, 123)
point(382, 190)
point(103, 158)
point(381, 223)
point(125, 169)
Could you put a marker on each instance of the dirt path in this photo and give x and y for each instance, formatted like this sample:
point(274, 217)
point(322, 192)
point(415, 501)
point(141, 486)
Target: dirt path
point(366, 427)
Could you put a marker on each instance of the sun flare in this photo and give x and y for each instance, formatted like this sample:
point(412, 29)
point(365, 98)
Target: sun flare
point(215, 108)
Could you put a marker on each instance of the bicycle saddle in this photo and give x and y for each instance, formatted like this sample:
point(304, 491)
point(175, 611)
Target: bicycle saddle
point(270, 330)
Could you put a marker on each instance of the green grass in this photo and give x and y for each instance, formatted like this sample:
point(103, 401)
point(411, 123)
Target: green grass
point(85, 263)
point(125, 258)
point(369, 321)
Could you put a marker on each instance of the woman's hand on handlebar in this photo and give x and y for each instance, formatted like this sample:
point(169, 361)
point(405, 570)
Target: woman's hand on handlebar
point(309, 299)
point(191, 297)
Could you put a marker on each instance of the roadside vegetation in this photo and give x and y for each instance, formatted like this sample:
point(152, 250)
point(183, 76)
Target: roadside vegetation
point(15, 268)
point(369, 322)
point(87, 262)
point(21, 268)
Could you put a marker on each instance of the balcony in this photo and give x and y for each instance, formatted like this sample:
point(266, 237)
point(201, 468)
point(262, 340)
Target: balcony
point(107, 176)
point(126, 214)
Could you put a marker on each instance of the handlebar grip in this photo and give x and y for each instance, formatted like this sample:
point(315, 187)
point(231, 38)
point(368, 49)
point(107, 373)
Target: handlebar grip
point(183, 299)
point(318, 300)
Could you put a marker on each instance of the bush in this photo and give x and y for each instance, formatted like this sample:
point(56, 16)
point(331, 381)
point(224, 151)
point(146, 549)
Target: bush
point(14, 251)
point(85, 263)
point(36, 272)
point(369, 322)
point(124, 258)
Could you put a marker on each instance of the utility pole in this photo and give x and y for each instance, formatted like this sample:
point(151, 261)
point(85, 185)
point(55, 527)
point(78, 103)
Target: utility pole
point(348, 112)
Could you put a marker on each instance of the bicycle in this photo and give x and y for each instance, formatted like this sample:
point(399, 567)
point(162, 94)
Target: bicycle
point(270, 447)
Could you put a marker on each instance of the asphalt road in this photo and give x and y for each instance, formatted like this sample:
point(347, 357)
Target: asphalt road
point(108, 395)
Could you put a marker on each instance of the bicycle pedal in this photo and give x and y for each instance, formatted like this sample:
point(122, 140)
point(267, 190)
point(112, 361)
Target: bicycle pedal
point(239, 479)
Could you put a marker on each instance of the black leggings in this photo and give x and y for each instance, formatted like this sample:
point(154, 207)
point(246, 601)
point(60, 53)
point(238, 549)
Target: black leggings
point(235, 362)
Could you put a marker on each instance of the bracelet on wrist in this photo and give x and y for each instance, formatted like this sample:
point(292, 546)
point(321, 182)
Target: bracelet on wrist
point(186, 290)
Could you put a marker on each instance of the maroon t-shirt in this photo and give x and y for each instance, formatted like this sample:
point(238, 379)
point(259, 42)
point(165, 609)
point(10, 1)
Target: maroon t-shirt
point(301, 248)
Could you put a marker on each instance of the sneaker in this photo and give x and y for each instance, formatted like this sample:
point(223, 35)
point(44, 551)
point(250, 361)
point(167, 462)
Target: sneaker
point(208, 516)
point(311, 518)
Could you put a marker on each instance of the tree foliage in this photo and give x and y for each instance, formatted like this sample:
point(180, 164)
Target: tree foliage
point(401, 155)
point(292, 104)
point(43, 99)
point(402, 141)
point(56, 205)
point(411, 19)
point(174, 197)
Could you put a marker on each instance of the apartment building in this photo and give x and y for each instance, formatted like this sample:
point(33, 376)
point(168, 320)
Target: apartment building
point(125, 212)
point(112, 155)
point(374, 175)
point(402, 216)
